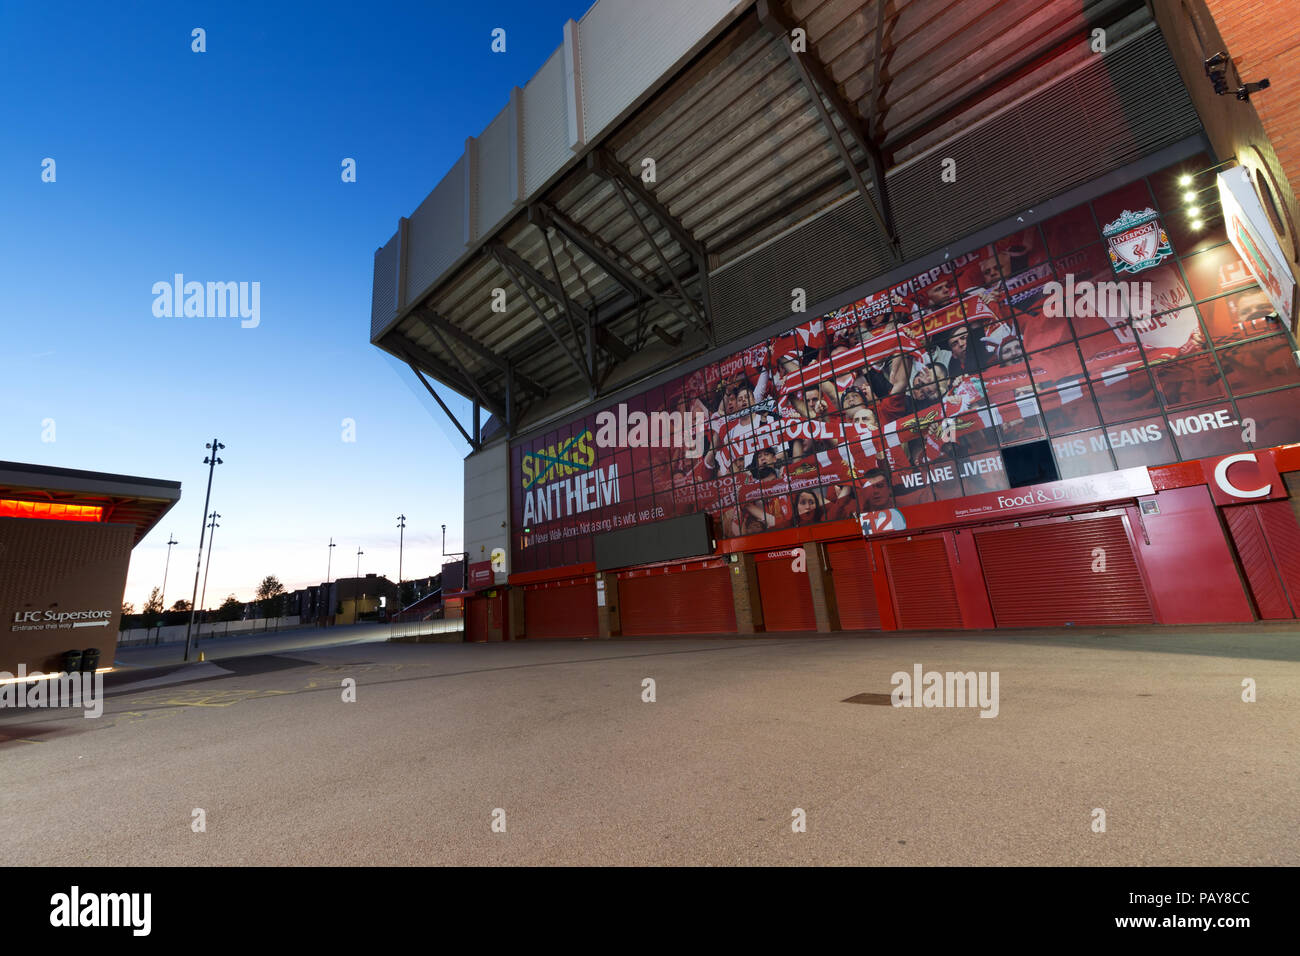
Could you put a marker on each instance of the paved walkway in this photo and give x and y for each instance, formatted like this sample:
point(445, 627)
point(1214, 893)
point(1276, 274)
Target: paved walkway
point(1149, 727)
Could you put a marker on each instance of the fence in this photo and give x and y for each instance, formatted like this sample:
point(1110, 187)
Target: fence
point(175, 633)
point(421, 628)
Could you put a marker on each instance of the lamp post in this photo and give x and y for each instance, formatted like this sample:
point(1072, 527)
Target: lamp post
point(359, 554)
point(401, 537)
point(203, 598)
point(211, 461)
point(170, 541)
point(328, 567)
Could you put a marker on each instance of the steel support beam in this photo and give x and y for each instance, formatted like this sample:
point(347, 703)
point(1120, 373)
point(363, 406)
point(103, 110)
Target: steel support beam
point(436, 322)
point(819, 84)
point(414, 355)
point(605, 164)
point(443, 405)
point(588, 244)
point(542, 317)
point(469, 379)
point(587, 317)
point(700, 319)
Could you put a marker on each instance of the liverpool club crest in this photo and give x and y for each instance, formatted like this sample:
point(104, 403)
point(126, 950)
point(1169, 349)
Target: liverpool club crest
point(1137, 241)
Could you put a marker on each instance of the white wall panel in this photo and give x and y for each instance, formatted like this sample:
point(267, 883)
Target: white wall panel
point(545, 149)
point(437, 232)
point(495, 190)
point(487, 503)
point(625, 46)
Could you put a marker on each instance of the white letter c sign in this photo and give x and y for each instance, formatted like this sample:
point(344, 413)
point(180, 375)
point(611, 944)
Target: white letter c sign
point(1221, 477)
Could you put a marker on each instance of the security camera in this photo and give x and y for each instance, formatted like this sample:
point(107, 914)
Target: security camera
point(1218, 60)
point(1243, 92)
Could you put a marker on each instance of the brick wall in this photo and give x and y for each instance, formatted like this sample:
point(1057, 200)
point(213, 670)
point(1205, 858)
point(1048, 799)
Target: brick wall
point(1261, 37)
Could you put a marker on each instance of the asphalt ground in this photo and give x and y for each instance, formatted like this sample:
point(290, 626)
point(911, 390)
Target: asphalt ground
point(1148, 726)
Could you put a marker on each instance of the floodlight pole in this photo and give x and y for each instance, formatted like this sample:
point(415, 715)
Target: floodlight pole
point(170, 541)
point(401, 537)
point(203, 596)
point(211, 461)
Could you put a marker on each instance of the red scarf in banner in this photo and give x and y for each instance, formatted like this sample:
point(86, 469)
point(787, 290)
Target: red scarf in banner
point(909, 340)
point(874, 351)
point(971, 308)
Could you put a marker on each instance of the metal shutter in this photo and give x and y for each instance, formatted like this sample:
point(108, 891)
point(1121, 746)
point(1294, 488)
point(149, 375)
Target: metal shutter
point(1283, 534)
point(1257, 561)
point(683, 602)
point(855, 590)
point(1042, 575)
point(477, 618)
point(567, 609)
point(921, 581)
point(786, 597)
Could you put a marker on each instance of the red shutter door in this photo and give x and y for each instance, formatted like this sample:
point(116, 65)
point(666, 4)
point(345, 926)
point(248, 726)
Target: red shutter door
point(1043, 575)
point(477, 619)
point(563, 609)
point(920, 580)
point(855, 590)
point(683, 602)
point(1283, 534)
point(1257, 561)
point(785, 595)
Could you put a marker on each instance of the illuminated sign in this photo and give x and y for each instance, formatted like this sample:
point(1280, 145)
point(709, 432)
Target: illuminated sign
point(1253, 238)
point(49, 510)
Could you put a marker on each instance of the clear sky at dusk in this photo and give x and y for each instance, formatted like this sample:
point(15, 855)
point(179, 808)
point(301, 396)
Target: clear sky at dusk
point(225, 166)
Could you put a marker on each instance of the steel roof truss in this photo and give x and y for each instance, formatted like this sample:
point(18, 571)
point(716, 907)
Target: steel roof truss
point(544, 319)
point(697, 316)
point(588, 244)
point(819, 84)
point(435, 321)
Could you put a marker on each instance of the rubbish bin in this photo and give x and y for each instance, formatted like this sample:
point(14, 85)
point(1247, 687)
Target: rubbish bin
point(90, 659)
point(71, 662)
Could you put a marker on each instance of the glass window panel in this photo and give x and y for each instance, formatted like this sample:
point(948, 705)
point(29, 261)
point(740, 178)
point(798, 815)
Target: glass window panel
point(1142, 442)
point(1068, 407)
point(982, 473)
point(1240, 316)
point(1276, 417)
point(1259, 365)
point(1082, 453)
point(1216, 272)
point(1205, 430)
point(1070, 230)
point(1188, 381)
point(1134, 197)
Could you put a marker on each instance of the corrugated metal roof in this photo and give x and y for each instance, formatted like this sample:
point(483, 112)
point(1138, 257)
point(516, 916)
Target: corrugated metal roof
point(742, 157)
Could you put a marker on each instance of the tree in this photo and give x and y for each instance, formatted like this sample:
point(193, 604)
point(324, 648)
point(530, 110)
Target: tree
point(232, 609)
point(181, 605)
point(270, 596)
point(154, 604)
point(128, 607)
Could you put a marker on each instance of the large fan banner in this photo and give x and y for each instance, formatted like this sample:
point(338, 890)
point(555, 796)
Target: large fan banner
point(1088, 332)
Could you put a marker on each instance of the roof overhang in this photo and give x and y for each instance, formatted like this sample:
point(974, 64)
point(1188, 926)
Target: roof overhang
point(141, 502)
point(608, 221)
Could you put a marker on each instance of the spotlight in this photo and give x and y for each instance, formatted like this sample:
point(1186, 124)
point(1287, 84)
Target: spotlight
point(1185, 180)
point(1197, 224)
point(1189, 195)
point(1194, 210)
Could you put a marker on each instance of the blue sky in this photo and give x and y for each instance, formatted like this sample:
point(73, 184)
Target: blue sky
point(225, 166)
